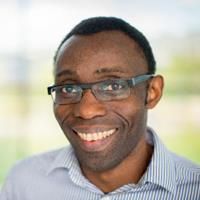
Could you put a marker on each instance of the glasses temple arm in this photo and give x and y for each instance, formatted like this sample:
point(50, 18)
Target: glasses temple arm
point(142, 78)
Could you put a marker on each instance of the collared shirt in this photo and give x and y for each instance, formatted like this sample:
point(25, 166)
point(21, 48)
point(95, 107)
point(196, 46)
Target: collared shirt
point(57, 176)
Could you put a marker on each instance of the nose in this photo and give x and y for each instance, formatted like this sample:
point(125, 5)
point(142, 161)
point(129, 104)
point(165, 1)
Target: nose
point(89, 107)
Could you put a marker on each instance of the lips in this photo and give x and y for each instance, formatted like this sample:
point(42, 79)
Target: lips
point(95, 136)
point(94, 139)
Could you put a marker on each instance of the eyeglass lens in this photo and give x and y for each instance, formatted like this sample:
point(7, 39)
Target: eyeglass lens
point(104, 91)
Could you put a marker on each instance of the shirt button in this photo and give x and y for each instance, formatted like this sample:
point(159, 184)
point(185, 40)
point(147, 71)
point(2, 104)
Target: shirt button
point(105, 198)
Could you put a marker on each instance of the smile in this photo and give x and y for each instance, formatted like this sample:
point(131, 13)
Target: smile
point(96, 136)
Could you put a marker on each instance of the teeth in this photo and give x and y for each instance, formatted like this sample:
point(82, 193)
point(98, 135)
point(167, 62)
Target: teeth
point(96, 136)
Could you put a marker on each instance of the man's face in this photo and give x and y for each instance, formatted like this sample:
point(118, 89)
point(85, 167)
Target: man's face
point(118, 125)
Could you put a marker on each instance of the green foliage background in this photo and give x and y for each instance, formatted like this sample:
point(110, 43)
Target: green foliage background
point(182, 77)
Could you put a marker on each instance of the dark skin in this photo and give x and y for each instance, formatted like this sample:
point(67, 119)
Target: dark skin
point(123, 157)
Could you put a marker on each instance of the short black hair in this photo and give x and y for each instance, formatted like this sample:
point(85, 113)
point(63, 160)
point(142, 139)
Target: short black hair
point(98, 24)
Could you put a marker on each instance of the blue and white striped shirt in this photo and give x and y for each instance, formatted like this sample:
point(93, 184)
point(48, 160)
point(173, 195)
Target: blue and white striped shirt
point(57, 176)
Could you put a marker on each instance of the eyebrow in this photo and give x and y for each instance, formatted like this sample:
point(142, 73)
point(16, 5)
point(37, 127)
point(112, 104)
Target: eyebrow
point(64, 72)
point(104, 70)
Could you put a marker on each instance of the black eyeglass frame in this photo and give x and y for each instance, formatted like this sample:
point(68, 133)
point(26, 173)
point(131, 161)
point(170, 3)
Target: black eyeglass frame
point(131, 82)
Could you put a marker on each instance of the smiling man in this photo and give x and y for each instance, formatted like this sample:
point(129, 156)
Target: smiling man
point(104, 84)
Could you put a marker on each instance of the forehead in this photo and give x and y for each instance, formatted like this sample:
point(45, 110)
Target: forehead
point(104, 51)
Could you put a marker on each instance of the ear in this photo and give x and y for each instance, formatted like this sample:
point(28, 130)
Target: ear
point(155, 91)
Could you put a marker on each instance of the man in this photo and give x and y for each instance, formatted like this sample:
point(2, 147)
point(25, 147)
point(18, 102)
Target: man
point(105, 83)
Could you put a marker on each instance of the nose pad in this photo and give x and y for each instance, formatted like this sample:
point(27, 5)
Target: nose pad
point(89, 107)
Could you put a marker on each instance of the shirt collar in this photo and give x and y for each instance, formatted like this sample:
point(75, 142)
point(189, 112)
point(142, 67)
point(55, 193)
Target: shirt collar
point(161, 170)
point(65, 159)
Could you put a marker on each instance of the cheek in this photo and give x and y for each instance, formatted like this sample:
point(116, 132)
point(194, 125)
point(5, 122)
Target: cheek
point(128, 107)
point(61, 113)
point(131, 111)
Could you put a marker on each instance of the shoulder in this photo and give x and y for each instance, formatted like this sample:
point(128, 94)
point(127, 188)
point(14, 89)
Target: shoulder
point(186, 170)
point(28, 174)
point(183, 170)
point(34, 165)
point(187, 177)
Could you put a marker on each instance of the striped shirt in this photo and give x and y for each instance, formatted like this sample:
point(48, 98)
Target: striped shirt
point(57, 176)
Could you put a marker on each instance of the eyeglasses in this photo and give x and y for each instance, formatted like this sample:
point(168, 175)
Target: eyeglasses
point(107, 90)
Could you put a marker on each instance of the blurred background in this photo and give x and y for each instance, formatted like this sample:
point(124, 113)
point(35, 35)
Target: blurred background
point(30, 33)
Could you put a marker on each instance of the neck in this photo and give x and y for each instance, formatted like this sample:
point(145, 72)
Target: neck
point(129, 171)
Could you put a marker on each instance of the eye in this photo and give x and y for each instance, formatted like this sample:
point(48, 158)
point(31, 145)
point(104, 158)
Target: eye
point(113, 86)
point(69, 89)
